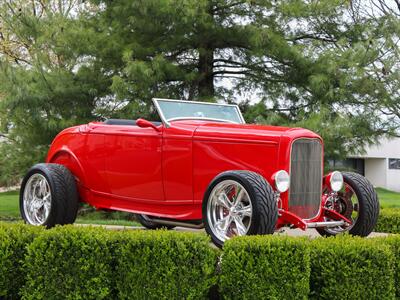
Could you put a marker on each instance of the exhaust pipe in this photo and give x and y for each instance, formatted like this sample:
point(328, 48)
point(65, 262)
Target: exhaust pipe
point(177, 223)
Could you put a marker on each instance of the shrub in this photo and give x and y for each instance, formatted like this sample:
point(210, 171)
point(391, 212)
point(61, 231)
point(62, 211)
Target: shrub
point(14, 240)
point(394, 243)
point(389, 220)
point(69, 263)
point(265, 267)
point(347, 267)
point(163, 265)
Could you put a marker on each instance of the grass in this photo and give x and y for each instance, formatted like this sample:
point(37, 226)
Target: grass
point(9, 205)
point(388, 198)
point(9, 210)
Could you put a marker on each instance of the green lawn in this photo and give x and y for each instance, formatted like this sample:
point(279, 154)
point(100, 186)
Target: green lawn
point(9, 209)
point(9, 206)
point(388, 198)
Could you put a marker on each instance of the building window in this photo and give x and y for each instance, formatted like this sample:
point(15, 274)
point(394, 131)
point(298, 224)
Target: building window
point(394, 163)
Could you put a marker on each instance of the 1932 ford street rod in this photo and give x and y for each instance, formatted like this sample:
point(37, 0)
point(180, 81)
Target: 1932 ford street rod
point(201, 166)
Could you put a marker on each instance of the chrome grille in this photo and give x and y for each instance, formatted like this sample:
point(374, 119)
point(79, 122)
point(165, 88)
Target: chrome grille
point(305, 178)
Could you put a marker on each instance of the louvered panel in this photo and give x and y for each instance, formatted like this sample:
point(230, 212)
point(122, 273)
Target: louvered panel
point(306, 178)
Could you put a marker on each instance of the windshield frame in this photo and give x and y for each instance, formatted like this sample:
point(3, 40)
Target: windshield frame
point(167, 123)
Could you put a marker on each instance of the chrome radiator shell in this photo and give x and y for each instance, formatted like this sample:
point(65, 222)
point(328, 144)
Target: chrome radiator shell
point(306, 175)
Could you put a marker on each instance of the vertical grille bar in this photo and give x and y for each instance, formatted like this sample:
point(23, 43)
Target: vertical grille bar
point(305, 178)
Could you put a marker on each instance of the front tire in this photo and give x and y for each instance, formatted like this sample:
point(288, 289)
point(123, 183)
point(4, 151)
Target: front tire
point(48, 196)
point(364, 211)
point(239, 203)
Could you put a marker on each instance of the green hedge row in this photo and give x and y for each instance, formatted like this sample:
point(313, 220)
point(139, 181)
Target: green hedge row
point(389, 220)
point(259, 267)
point(91, 263)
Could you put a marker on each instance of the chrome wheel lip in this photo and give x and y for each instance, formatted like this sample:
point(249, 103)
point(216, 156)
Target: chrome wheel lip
point(341, 229)
point(36, 200)
point(235, 215)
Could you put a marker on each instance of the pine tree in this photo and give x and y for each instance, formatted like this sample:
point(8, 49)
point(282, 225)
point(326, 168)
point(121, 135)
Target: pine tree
point(323, 65)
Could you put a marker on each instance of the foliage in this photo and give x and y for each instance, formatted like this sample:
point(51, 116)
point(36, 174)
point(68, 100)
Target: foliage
point(47, 81)
point(322, 64)
point(13, 247)
point(69, 263)
point(87, 263)
point(163, 265)
point(394, 242)
point(354, 268)
point(265, 267)
point(388, 221)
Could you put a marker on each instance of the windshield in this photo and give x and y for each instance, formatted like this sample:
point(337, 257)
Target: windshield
point(170, 110)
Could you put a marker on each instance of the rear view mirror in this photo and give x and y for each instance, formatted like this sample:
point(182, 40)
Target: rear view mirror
point(146, 124)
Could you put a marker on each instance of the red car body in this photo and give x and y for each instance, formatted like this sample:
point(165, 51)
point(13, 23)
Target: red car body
point(165, 171)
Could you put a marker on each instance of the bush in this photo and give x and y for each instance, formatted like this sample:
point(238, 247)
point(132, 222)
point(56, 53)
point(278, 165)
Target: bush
point(389, 220)
point(265, 267)
point(163, 265)
point(14, 240)
point(347, 267)
point(69, 263)
point(394, 243)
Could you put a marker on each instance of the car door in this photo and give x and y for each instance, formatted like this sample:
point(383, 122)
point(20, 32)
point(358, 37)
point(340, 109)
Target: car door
point(133, 162)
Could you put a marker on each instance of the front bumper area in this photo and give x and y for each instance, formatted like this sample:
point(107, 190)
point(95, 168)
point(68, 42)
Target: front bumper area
point(335, 219)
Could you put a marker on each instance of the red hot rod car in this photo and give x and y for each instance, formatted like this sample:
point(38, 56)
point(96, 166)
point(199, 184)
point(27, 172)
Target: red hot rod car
point(201, 166)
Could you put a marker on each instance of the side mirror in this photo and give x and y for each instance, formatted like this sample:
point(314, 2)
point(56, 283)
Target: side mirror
point(142, 123)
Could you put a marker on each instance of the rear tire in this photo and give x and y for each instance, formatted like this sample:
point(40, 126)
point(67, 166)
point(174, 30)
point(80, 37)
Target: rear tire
point(49, 196)
point(368, 206)
point(250, 206)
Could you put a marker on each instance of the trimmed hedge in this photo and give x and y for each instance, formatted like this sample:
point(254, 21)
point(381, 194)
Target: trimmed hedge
point(394, 243)
point(164, 265)
point(347, 267)
point(69, 263)
point(92, 263)
point(13, 247)
point(389, 220)
point(265, 267)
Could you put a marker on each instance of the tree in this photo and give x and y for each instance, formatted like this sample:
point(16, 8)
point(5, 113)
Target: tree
point(48, 82)
point(310, 63)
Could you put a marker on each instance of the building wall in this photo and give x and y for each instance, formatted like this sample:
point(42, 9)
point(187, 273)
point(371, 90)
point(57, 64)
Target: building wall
point(376, 159)
point(384, 149)
point(376, 171)
point(393, 180)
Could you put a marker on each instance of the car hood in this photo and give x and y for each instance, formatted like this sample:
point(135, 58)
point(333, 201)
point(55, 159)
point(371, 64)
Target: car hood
point(249, 132)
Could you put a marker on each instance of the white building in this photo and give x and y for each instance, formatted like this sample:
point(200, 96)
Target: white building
point(380, 164)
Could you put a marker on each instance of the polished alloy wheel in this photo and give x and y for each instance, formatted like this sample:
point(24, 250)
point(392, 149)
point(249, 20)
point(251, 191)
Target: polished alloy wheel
point(347, 204)
point(37, 199)
point(229, 210)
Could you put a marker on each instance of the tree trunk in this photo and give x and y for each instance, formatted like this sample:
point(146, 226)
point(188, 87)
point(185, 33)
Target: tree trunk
point(206, 82)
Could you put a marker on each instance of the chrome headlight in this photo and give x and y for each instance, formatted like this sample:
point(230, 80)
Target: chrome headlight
point(282, 181)
point(336, 181)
